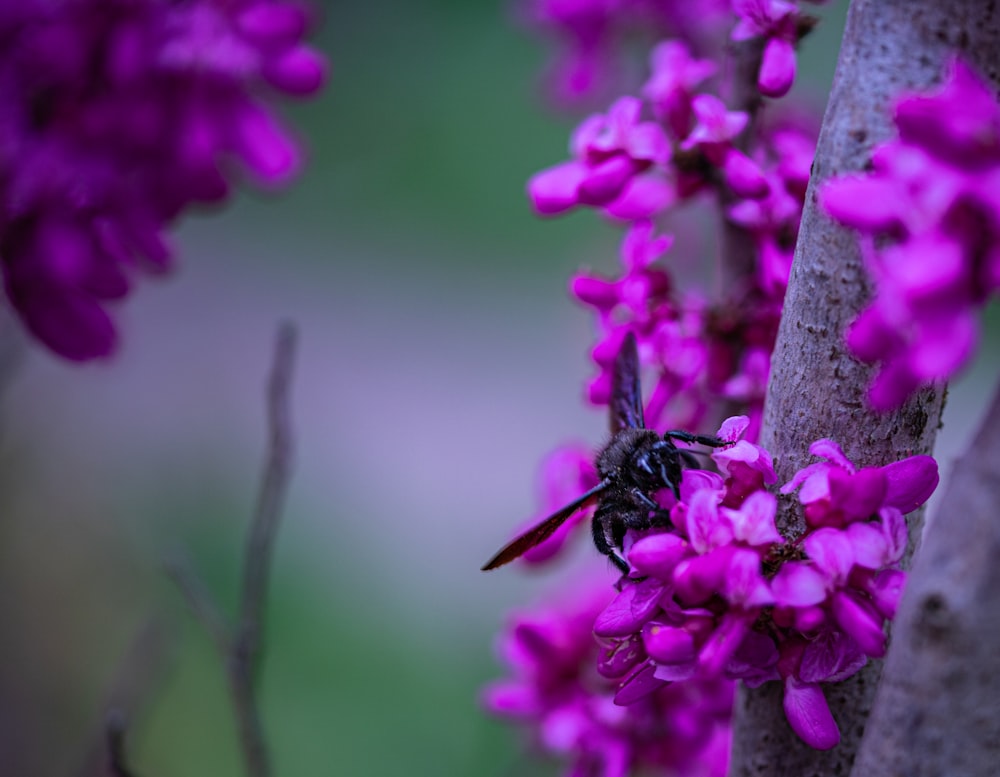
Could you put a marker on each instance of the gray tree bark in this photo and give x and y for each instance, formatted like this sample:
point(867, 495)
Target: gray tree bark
point(816, 389)
point(937, 712)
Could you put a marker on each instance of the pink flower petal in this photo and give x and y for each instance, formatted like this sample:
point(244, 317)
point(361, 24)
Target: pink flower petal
point(896, 534)
point(809, 715)
point(869, 545)
point(753, 523)
point(862, 202)
point(620, 656)
point(832, 553)
point(832, 452)
point(706, 528)
point(831, 657)
point(722, 645)
point(732, 429)
point(667, 644)
point(886, 590)
point(696, 579)
point(777, 68)
point(630, 609)
point(744, 176)
point(658, 554)
point(639, 684)
point(605, 181)
point(643, 197)
point(858, 496)
point(554, 190)
point(744, 585)
point(910, 482)
point(798, 584)
point(861, 622)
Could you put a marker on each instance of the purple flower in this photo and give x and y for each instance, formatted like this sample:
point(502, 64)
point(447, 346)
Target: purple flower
point(670, 88)
point(748, 467)
point(118, 117)
point(567, 472)
point(586, 28)
point(593, 37)
point(777, 22)
point(572, 710)
point(931, 200)
point(609, 152)
point(719, 592)
point(836, 493)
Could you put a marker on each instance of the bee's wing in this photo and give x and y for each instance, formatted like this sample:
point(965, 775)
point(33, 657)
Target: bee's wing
point(626, 390)
point(540, 532)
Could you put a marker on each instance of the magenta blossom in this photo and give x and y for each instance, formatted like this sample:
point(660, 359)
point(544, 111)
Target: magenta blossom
point(567, 473)
point(593, 37)
point(118, 116)
point(777, 21)
point(714, 134)
point(931, 202)
point(719, 592)
point(670, 88)
point(571, 708)
point(836, 493)
point(609, 151)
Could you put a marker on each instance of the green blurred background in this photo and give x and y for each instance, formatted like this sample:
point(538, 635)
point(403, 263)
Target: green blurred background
point(440, 359)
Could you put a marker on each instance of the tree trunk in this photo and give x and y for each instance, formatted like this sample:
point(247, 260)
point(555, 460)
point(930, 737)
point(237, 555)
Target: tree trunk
point(816, 389)
point(937, 712)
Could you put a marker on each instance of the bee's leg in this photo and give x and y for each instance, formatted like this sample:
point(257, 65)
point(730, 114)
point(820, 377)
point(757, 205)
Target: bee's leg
point(605, 529)
point(660, 517)
point(689, 459)
point(669, 482)
point(701, 439)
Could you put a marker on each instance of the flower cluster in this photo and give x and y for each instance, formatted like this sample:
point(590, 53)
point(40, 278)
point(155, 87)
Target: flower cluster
point(591, 33)
point(780, 24)
point(721, 593)
point(636, 169)
point(707, 352)
point(560, 689)
point(701, 353)
point(118, 116)
point(717, 593)
point(929, 212)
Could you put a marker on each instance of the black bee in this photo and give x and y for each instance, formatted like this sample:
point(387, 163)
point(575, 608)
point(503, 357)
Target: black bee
point(633, 466)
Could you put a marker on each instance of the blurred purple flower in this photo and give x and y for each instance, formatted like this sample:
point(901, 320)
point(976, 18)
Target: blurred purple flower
point(670, 88)
point(932, 203)
point(579, 714)
point(118, 116)
point(567, 473)
point(593, 36)
point(777, 21)
point(609, 152)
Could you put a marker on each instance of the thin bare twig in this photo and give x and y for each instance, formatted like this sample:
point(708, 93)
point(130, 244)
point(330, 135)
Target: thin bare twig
point(240, 646)
point(245, 655)
point(134, 681)
point(273, 485)
point(115, 727)
point(199, 600)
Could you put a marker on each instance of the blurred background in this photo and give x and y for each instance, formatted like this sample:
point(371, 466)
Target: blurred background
point(440, 358)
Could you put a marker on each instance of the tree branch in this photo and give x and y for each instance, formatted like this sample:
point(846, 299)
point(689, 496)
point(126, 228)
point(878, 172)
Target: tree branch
point(816, 389)
point(139, 672)
point(244, 659)
point(240, 647)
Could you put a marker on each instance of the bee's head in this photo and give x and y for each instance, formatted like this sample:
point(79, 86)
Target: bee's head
point(655, 466)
